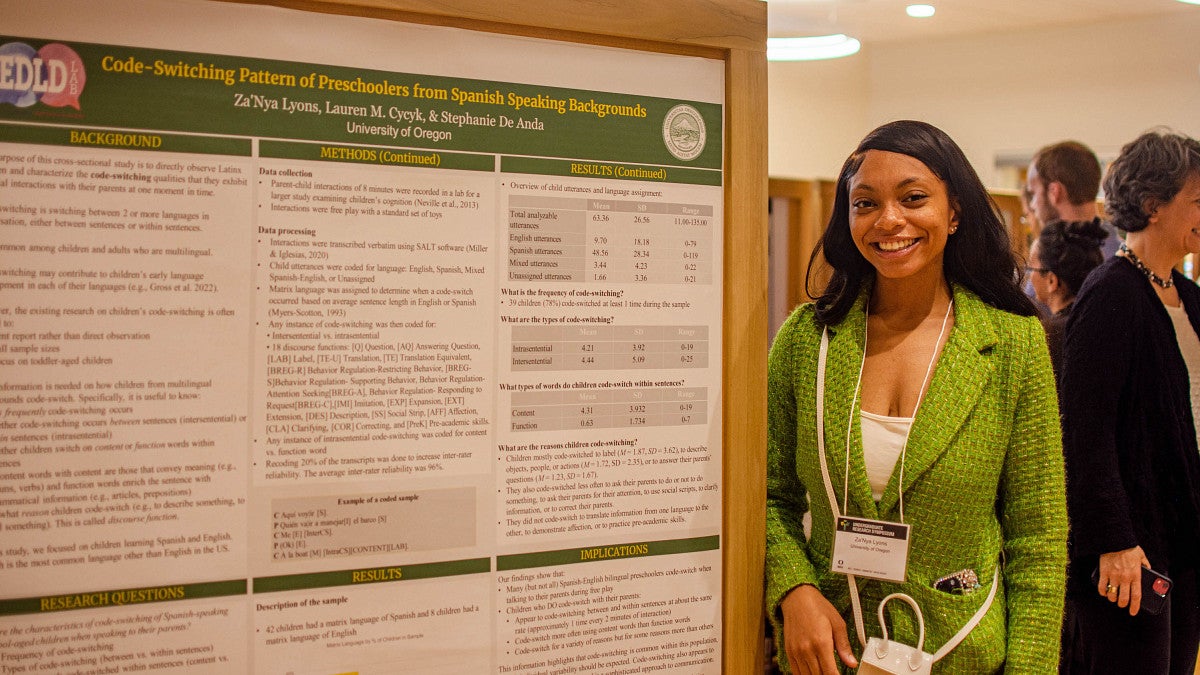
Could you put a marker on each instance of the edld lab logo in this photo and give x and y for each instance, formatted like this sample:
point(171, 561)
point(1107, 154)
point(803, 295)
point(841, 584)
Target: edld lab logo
point(53, 75)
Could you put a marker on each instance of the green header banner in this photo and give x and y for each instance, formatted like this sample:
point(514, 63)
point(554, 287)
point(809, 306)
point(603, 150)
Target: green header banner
point(322, 152)
point(371, 575)
point(570, 556)
point(656, 174)
point(94, 85)
point(122, 597)
point(120, 140)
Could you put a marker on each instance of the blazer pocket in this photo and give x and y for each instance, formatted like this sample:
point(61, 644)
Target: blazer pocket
point(984, 649)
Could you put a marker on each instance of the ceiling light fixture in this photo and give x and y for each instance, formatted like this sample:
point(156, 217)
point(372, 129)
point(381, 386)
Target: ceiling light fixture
point(1191, 2)
point(921, 11)
point(811, 48)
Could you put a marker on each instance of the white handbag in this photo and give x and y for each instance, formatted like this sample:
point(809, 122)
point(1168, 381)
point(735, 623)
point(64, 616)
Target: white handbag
point(887, 657)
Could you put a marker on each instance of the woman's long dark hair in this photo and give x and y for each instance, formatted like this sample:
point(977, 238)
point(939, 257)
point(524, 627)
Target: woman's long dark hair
point(978, 256)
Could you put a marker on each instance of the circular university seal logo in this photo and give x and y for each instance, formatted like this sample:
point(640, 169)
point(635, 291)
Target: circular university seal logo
point(683, 132)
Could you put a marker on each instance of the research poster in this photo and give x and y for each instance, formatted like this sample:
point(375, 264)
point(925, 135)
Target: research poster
point(343, 345)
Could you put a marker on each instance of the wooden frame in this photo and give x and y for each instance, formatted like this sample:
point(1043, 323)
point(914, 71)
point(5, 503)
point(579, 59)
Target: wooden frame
point(1013, 210)
point(734, 31)
point(809, 205)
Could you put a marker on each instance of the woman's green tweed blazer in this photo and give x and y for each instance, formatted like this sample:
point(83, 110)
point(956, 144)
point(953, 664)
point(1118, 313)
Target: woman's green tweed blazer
point(983, 483)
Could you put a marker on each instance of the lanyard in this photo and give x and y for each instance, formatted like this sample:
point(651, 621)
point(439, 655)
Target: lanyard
point(858, 388)
point(855, 601)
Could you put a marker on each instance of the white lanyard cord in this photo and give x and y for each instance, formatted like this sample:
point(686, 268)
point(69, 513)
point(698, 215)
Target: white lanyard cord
point(855, 602)
point(835, 513)
point(850, 419)
point(920, 397)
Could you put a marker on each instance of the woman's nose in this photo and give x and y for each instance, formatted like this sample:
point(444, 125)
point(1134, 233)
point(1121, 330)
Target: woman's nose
point(890, 216)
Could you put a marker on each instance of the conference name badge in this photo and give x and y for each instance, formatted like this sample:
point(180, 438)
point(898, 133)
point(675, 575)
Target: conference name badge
point(876, 549)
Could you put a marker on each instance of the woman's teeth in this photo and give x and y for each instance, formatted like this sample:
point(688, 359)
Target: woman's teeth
point(895, 245)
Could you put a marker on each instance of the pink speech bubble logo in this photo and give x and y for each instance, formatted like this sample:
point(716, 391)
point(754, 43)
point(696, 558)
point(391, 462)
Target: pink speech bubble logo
point(64, 75)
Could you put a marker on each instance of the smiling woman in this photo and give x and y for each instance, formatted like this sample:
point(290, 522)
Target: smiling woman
point(1130, 392)
point(933, 369)
point(978, 257)
point(900, 216)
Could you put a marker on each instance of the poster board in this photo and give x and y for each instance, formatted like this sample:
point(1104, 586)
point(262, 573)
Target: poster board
point(400, 293)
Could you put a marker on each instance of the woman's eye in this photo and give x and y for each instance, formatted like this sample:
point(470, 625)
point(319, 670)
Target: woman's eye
point(916, 197)
point(861, 203)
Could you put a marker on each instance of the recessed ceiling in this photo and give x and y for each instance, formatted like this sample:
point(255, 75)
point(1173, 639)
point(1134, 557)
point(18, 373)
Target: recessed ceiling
point(885, 20)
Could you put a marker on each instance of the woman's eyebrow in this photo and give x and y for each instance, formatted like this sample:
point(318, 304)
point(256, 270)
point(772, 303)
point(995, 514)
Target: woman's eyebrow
point(904, 183)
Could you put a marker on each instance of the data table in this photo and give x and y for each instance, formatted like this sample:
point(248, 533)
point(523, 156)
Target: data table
point(608, 408)
point(584, 240)
point(586, 347)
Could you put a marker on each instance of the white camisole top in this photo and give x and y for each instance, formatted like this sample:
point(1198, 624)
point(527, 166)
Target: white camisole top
point(1189, 347)
point(883, 441)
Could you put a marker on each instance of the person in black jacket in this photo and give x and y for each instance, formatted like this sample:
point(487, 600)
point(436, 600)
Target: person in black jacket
point(1130, 391)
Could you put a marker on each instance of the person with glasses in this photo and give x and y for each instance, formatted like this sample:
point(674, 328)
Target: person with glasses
point(1059, 260)
point(1062, 183)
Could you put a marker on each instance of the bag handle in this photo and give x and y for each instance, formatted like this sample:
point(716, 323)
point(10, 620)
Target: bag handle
point(881, 647)
point(855, 602)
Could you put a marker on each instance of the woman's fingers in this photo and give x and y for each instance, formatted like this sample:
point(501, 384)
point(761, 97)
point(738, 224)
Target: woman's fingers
point(1135, 595)
point(814, 652)
point(1120, 578)
point(814, 633)
point(806, 658)
point(809, 665)
point(841, 642)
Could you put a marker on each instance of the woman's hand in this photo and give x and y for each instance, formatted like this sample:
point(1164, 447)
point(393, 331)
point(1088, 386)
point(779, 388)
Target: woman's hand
point(1121, 577)
point(812, 631)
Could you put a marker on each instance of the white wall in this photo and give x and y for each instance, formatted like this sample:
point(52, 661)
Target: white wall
point(997, 95)
point(816, 114)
